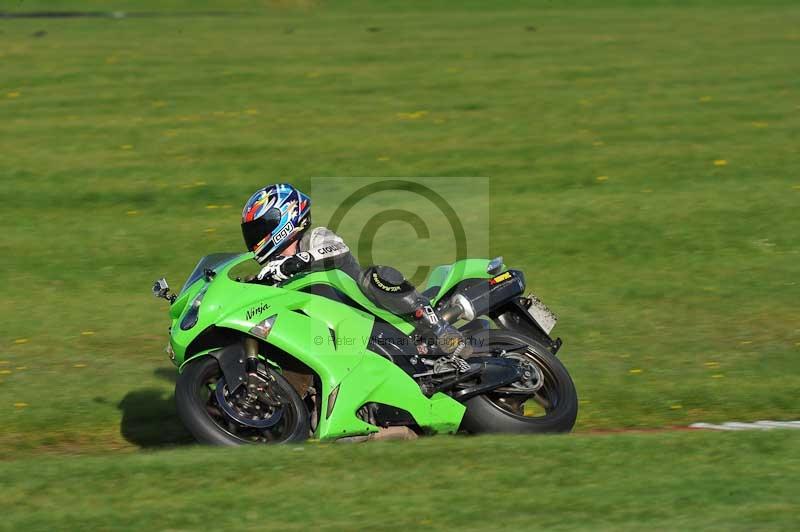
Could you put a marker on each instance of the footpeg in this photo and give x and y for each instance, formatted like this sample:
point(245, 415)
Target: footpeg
point(462, 365)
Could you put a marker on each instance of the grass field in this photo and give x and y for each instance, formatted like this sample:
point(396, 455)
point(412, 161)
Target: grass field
point(644, 169)
point(620, 482)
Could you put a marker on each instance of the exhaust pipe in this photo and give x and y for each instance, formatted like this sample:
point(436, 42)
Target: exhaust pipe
point(480, 298)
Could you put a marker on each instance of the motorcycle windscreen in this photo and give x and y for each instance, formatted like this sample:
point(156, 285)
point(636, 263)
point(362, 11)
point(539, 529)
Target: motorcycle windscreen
point(209, 262)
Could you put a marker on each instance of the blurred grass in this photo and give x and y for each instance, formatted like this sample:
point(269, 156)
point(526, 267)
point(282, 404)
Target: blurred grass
point(643, 164)
point(666, 481)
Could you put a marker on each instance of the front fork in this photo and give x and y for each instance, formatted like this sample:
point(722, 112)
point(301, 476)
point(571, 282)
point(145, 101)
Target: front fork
point(254, 381)
point(251, 367)
point(251, 352)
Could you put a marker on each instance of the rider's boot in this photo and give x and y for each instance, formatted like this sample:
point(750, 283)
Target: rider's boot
point(441, 338)
point(387, 287)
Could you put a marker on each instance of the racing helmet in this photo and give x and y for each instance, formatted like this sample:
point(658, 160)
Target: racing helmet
point(274, 217)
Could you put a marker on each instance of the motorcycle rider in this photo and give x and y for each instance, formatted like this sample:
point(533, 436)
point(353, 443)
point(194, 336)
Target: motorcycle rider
point(275, 226)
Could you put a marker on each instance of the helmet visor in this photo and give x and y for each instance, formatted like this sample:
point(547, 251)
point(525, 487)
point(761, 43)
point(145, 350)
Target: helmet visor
point(256, 230)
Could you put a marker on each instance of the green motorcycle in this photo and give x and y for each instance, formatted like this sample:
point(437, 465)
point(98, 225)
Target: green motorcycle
point(317, 356)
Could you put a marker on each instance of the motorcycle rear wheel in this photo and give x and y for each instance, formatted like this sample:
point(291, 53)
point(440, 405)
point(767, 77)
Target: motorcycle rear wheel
point(197, 406)
point(504, 413)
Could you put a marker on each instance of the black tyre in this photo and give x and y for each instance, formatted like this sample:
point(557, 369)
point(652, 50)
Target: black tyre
point(553, 408)
point(196, 399)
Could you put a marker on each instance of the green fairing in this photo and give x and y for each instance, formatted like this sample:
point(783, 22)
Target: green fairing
point(345, 284)
point(449, 275)
point(361, 375)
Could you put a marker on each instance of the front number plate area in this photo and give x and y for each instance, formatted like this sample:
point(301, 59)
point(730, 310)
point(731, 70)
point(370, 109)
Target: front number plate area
point(543, 315)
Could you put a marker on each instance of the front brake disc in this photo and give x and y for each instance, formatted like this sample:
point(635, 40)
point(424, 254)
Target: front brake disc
point(250, 416)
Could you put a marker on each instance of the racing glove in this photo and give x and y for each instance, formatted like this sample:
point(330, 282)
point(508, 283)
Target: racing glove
point(283, 267)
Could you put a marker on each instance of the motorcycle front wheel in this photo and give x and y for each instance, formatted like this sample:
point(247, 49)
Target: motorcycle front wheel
point(553, 407)
point(217, 417)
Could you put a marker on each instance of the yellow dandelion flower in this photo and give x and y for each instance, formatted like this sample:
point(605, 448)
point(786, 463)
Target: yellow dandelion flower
point(212, 206)
point(675, 407)
point(14, 94)
point(210, 230)
point(126, 147)
point(79, 365)
point(745, 342)
point(5, 372)
point(717, 376)
point(711, 364)
point(20, 405)
point(21, 368)
point(602, 178)
point(416, 115)
point(634, 371)
point(720, 162)
point(21, 341)
point(87, 333)
point(383, 158)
